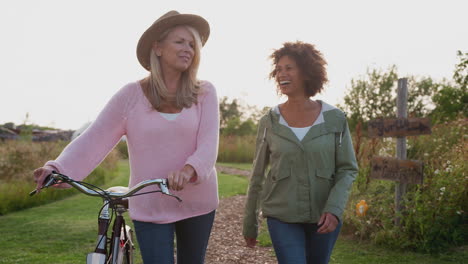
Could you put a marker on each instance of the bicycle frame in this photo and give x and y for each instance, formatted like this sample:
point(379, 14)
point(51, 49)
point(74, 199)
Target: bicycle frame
point(114, 199)
point(119, 229)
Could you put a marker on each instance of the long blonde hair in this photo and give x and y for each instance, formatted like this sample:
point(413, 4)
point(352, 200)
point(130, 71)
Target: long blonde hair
point(156, 91)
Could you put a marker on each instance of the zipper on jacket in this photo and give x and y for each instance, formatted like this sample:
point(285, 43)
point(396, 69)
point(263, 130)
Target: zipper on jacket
point(341, 137)
point(342, 131)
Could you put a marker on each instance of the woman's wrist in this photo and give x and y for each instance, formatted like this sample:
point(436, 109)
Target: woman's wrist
point(190, 171)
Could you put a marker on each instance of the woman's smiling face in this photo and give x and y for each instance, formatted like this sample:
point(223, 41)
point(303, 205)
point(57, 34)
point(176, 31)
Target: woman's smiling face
point(289, 77)
point(176, 51)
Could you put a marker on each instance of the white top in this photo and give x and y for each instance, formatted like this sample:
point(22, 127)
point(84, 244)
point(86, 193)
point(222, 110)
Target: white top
point(170, 116)
point(300, 132)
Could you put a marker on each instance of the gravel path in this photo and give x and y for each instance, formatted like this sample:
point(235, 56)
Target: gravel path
point(232, 171)
point(227, 244)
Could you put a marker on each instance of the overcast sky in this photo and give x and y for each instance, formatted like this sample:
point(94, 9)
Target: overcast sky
point(61, 61)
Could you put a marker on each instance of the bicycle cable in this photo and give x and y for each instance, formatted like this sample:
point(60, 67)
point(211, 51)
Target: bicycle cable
point(108, 222)
point(103, 193)
point(136, 194)
point(90, 186)
point(171, 195)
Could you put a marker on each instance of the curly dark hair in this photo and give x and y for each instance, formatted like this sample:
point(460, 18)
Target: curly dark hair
point(310, 62)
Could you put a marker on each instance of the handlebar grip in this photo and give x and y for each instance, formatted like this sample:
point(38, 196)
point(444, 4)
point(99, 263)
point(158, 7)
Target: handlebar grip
point(48, 181)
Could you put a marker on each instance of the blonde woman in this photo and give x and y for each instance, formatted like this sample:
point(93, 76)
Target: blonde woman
point(171, 122)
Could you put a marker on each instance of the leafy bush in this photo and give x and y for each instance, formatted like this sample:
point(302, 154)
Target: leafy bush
point(435, 213)
point(18, 159)
point(374, 95)
point(122, 149)
point(236, 148)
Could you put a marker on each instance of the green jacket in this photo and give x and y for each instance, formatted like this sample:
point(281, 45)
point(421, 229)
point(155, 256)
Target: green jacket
point(305, 178)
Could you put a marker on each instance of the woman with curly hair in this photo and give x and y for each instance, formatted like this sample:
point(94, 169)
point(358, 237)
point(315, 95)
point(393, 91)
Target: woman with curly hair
point(306, 147)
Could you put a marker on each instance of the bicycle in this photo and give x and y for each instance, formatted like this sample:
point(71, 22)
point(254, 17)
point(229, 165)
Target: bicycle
point(119, 248)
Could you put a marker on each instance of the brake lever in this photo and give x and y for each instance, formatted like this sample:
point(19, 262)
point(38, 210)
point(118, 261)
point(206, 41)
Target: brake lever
point(165, 189)
point(49, 180)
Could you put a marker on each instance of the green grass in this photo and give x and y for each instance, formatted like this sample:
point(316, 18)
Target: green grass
point(263, 238)
point(13, 198)
point(230, 185)
point(242, 166)
point(60, 232)
point(65, 231)
point(350, 251)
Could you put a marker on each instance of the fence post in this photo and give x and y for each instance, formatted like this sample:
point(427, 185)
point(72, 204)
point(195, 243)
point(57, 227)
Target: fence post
point(402, 112)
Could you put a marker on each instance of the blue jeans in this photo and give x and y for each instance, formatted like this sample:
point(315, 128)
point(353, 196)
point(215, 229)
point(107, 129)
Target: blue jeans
point(297, 243)
point(156, 241)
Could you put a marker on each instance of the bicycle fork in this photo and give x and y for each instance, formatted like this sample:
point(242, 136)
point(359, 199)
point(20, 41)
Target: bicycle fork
point(100, 253)
point(120, 238)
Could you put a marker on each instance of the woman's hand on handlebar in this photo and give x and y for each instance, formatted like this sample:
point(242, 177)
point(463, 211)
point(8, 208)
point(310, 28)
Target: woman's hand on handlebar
point(178, 179)
point(41, 173)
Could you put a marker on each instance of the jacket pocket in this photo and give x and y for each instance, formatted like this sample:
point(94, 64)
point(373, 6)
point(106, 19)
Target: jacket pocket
point(325, 173)
point(277, 187)
point(282, 174)
point(324, 183)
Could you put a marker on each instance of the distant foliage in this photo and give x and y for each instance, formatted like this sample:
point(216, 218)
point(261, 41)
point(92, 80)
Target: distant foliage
point(228, 110)
point(460, 75)
point(236, 148)
point(122, 149)
point(237, 118)
point(371, 96)
point(451, 100)
point(374, 95)
point(19, 158)
point(436, 212)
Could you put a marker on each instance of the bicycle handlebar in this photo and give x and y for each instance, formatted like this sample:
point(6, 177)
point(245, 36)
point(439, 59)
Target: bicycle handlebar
point(56, 178)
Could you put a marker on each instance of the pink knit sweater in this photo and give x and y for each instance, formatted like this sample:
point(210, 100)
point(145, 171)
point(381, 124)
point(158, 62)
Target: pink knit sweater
point(156, 147)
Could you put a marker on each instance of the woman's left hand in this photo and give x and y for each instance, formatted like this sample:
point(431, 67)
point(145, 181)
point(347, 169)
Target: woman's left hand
point(327, 223)
point(178, 179)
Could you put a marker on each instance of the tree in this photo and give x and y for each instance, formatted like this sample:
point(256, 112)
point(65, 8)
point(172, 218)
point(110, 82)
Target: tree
point(451, 100)
point(460, 75)
point(238, 118)
point(371, 97)
point(374, 96)
point(228, 110)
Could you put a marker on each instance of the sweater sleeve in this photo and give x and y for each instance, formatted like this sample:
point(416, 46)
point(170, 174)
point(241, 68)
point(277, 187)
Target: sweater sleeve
point(87, 151)
point(204, 158)
point(252, 206)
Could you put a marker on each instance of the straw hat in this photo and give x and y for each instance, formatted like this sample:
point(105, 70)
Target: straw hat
point(168, 20)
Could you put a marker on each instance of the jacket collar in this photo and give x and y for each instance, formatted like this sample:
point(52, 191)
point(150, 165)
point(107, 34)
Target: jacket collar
point(333, 123)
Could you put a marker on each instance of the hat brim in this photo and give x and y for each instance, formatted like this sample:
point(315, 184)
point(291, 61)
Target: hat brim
point(152, 33)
